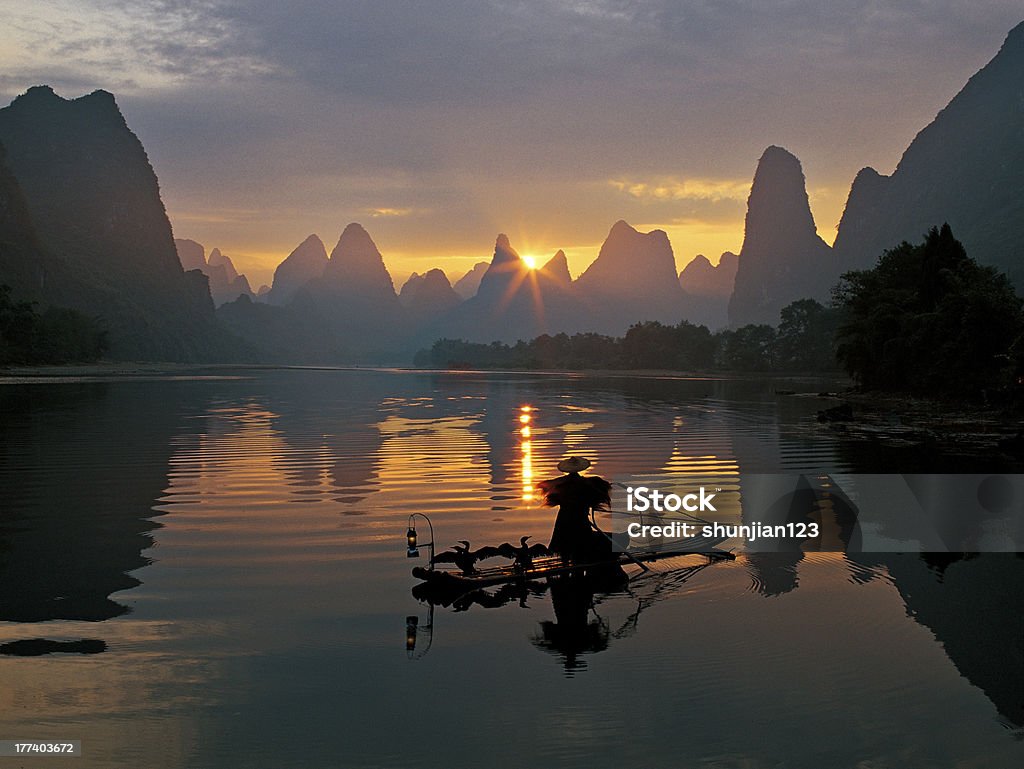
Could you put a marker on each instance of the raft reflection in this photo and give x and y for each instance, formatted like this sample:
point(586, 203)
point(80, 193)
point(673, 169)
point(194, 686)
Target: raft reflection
point(578, 628)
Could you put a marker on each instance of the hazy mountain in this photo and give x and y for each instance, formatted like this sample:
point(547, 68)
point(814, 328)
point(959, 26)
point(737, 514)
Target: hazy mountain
point(428, 296)
point(94, 204)
point(504, 275)
point(217, 259)
point(633, 279)
point(965, 168)
point(782, 258)
point(356, 297)
point(702, 278)
point(192, 255)
point(467, 285)
point(708, 288)
point(262, 291)
point(357, 268)
point(513, 301)
point(556, 270)
point(408, 289)
point(306, 262)
point(293, 334)
point(226, 285)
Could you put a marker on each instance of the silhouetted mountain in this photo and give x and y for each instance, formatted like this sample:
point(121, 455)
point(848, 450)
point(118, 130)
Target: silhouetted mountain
point(633, 279)
point(356, 268)
point(289, 334)
point(409, 288)
point(24, 265)
point(556, 270)
point(504, 275)
point(262, 291)
point(782, 258)
point(302, 265)
point(95, 206)
point(356, 297)
point(217, 259)
point(701, 278)
point(708, 288)
point(467, 285)
point(226, 285)
point(429, 296)
point(965, 168)
point(513, 302)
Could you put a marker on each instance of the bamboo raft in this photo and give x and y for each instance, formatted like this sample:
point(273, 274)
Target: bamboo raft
point(544, 567)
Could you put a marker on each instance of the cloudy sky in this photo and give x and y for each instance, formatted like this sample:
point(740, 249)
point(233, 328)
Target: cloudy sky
point(438, 124)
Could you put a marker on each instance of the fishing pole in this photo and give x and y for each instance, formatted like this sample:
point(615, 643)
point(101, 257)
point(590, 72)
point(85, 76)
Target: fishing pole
point(593, 522)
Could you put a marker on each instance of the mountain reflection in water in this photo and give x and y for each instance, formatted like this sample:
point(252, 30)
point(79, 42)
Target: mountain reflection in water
point(233, 547)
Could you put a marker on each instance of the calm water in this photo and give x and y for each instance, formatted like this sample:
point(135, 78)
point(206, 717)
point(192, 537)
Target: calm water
point(228, 552)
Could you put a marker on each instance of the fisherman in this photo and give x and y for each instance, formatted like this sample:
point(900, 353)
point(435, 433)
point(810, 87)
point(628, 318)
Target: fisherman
point(573, 536)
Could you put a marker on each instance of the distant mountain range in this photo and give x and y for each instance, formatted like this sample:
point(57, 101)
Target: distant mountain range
point(226, 284)
point(82, 225)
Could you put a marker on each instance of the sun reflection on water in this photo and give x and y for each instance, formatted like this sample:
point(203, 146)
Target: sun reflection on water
point(526, 448)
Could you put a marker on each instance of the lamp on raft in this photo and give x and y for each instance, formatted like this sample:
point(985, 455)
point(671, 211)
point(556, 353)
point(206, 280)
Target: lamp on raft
point(412, 540)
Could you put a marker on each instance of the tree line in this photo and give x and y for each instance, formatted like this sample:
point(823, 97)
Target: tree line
point(56, 335)
point(927, 320)
point(803, 341)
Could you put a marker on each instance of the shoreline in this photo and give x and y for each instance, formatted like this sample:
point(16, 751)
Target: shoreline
point(132, 369)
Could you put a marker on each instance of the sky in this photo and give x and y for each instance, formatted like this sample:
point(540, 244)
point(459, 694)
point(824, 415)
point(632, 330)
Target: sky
point(438, 125)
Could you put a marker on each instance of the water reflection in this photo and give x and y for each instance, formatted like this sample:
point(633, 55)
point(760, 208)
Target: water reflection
point(578, 628)
point(966, 600)
point(273, 578)
point(526, 447)
point(81, 467)
point(36, 647)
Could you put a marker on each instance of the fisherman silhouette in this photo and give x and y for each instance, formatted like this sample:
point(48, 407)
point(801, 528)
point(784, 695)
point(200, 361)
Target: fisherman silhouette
point(573, 536)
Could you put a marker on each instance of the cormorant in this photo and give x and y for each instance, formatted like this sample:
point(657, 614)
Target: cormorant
point(466, 559)
point(524, 554)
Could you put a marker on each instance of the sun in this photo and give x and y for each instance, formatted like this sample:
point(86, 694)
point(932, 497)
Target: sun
point(530, 262)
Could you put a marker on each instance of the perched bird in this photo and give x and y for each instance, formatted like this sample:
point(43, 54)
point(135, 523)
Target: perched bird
point(524, 554)
point(465, 558)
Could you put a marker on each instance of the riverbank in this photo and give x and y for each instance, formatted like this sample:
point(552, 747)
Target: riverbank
point(147, 370)
point(785, 381)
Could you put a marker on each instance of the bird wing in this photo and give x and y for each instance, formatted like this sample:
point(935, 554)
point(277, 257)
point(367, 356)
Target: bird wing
point(486, 552)
point(507, 550)
point(448, 556)
point(538, 549)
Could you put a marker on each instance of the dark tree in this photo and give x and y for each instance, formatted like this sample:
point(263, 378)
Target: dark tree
point(748, 348)
point(653, 345)
point(59, 335)
point(806, 337)
point(928, 319)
